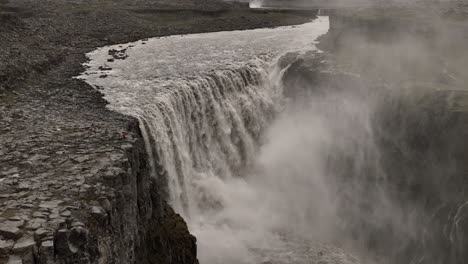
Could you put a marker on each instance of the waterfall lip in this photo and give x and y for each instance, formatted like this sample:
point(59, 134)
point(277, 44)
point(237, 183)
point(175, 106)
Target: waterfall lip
point(202, 102)
point(163, 61)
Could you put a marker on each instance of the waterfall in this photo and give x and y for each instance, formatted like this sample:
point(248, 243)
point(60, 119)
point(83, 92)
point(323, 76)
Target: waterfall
point(269, 171)
point(256, 4)
point(204, 103)
point(208, 128)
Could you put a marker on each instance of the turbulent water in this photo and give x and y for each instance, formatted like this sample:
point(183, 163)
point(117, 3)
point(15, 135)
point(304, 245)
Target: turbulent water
point(256, 3)
point(248, 181)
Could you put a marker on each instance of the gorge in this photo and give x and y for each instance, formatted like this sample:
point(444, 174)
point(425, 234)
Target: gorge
point(288, 151)
point(341, 140)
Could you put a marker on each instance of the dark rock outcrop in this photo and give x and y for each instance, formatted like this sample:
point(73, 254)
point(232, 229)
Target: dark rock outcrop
point(120, 218)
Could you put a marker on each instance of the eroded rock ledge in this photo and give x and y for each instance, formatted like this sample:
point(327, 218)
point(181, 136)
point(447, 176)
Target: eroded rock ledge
point(95, 205)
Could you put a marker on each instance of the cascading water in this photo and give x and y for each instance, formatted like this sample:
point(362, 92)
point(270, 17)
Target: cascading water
point(256, 3)
point(204, 102)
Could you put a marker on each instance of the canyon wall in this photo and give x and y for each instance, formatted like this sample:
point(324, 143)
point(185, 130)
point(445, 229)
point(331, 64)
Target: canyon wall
point(116, 215)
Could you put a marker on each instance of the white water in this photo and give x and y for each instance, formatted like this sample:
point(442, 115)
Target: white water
point(204, 101)
point(256, 3)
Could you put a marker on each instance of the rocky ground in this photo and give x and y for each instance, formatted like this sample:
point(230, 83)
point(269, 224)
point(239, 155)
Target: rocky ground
point(71, 188)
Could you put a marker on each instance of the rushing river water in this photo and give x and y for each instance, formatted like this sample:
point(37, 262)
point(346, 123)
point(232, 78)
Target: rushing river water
point(244, 178)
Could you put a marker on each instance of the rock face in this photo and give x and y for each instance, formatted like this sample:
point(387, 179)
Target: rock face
point(121, 218)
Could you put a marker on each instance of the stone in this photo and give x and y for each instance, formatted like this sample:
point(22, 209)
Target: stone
point(66, 213)
point(29, 257)
point(104, 68)
point(23, 186)
point(75, 224)
point(40, 233)
point(36, 223)
point(62, 247)
point(78, 237)
point(82, 159)
point(50, 204)
point(15, 223)
point(33, 226)
point(54, 216)
point(14, 260)
point(24, 245)
point(105, 203)
point(39, 215)
point(59, 222)
point(46, 252)
point(97, 210)
point(27, 206)
point(10, 171)
point(5, 246)
point(47, 244)
point(10, 231)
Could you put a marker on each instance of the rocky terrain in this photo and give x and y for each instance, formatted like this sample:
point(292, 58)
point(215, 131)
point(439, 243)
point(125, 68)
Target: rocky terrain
point(74, 180)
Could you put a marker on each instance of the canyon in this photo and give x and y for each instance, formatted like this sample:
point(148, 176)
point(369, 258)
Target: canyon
point(358, 147)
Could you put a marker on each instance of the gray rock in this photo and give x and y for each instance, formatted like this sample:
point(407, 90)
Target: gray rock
point(47, 244)
point(27, 206)
point(24, 245)
point(75, 224)
point(33, 225)
point(14, 223)
point(82, 159)
point(78, 237)
point(98, 211)
point(14, 260)
point(23, 186)
point(10, 231)
point(46, 252)
point(5, 246)
point(54, 216)
point(62, 246)
point(10, 171)
point(15, 218)
point(39, 215)
point(105, 203)
point(65, 213)
point(50, 204)
point(41, 233)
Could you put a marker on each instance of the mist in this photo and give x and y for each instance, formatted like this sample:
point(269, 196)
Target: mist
point(366, 154)
point(350, 154)
point(293, 191)
point(391, 94)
